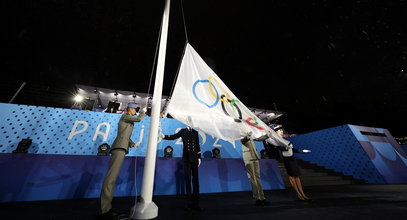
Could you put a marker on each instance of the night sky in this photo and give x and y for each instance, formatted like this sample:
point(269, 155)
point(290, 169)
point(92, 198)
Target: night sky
point(324, 63)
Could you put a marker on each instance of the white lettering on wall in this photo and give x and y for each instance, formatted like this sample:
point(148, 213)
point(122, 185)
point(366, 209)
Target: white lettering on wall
point(99, 132)
point(75, 132)
point(216, 143)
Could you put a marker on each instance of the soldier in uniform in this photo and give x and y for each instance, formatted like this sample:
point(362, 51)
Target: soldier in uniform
point(251, 161)
point(191, 156)
point(119, 149)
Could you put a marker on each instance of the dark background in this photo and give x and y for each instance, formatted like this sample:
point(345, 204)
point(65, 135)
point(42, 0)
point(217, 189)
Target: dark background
point(324, 63)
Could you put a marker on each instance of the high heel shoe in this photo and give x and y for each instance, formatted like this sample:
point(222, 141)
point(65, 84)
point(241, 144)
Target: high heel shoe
point(307, 198)
point(302, 200)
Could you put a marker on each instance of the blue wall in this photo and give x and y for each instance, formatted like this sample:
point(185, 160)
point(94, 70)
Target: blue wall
point(62, 161)
point(345, 149)
point(27, 177)
point(58, 131)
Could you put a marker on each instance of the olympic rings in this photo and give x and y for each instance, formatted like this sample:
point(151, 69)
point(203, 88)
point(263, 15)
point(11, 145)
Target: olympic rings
point(255, 124)
point(224, 98)
point(223, 90)
point(233, 104)
point(199, 100)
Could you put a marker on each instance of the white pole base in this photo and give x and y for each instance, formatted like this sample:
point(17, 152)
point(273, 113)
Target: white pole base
point(144, 211)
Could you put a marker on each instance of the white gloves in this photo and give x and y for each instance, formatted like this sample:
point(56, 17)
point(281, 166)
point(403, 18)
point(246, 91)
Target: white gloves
point(144, 109)
point(199, 162)
point(161, 135)
point(306, 151)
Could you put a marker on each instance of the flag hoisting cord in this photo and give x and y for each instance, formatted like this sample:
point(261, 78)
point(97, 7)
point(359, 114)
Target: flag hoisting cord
point(156, 52)
point(183, 19)
point(154, 62)
point(179, 66)
point(183, 52)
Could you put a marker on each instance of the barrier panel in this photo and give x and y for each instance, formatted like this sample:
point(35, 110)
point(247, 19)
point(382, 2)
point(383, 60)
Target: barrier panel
point(61, 162)
point(28, 177)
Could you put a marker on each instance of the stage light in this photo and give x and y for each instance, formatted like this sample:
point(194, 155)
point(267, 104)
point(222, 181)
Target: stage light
point(168, 151)
point(216, 153)
point(23, 146)
point(78, 98)
point(103, 149)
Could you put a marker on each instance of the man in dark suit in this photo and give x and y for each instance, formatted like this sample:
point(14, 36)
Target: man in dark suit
point(191, 156)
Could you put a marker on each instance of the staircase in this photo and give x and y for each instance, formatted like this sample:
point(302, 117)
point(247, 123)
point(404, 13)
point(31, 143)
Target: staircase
point(314, 175)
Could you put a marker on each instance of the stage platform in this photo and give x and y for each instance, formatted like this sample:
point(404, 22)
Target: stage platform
point(330, 202)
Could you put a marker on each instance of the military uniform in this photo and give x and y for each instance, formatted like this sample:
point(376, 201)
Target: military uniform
point(251, 161)
point(120, 148)
point(191, 152)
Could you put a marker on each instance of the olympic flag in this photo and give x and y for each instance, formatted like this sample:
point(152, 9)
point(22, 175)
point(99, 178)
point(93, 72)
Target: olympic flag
point(202, 101)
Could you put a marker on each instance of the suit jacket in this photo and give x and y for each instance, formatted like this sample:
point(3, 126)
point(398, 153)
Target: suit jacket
point(190, 139)
point(249, 151)
point(126, 124)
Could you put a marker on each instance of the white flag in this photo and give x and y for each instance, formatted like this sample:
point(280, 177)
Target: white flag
point(202, 101)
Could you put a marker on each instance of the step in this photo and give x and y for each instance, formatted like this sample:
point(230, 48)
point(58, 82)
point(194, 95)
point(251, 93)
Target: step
point(312, 175)
point(320, 183)
point(309, 175)
point(324, 178)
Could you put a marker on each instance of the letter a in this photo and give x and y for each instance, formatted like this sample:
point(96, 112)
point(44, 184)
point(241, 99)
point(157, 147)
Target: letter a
point(104, 134)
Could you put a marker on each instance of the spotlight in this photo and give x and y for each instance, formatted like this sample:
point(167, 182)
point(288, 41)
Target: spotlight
point(264, 155)
point(23, 146)
point(78, 98)
point(103, 149)
point(168, 151)
point(216, 153)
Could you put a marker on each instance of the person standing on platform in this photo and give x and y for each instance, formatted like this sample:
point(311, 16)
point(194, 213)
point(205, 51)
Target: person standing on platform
point(251, 161)
point(290, 164)
point(120, 148)
point(191, 157)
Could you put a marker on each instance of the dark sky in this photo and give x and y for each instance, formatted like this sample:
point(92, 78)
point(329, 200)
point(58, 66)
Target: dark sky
point(324, 63)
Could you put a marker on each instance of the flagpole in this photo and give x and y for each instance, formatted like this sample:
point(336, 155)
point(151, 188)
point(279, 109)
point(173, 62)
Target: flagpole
point(146, 209)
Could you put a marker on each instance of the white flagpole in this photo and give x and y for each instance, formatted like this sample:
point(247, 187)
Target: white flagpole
point(146, 209)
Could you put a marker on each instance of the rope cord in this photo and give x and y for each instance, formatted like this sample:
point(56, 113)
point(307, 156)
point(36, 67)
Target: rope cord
point(135, 185)
point(179, 67)
point(183, 19)
point(153, 68)
point(183, 52)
